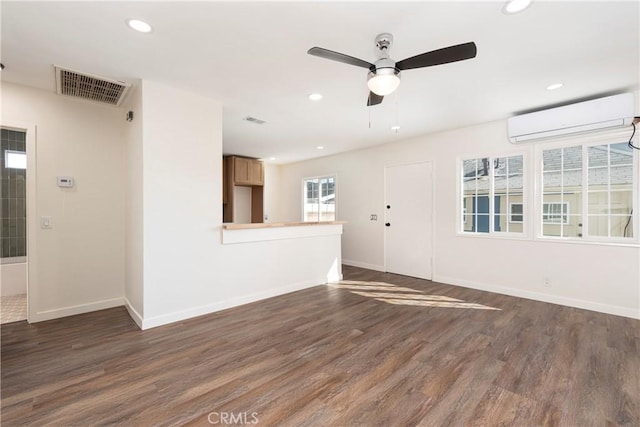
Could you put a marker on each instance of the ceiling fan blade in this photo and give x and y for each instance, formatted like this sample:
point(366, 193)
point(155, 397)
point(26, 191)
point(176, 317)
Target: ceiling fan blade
point(445, 55)
point(340, 57)
point(374, 99)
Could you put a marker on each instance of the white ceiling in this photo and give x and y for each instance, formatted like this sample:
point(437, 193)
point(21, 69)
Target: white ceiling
point(251, 56)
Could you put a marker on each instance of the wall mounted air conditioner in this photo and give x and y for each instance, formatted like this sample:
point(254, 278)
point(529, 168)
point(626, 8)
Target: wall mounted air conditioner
point(612, 111)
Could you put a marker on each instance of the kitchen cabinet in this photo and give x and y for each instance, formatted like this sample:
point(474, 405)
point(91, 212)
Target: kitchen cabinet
point(247, 172)
point(242, 172)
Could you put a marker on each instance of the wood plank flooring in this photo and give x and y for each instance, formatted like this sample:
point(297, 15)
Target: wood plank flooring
point(377, 350)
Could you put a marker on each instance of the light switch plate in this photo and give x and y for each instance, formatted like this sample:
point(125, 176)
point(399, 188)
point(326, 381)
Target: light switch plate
point(46, 222)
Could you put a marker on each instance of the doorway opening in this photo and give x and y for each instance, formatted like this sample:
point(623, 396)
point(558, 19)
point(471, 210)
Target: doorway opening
point(13, 225)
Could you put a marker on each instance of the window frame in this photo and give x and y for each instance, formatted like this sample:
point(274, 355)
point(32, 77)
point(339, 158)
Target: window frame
point(461, 220)
point(564, 215)
point(511, 214)
point(585, 141)
point(304, 196)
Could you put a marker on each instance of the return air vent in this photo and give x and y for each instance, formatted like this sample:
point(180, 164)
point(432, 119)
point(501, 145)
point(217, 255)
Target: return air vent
point(87, 86)
point(254, 120)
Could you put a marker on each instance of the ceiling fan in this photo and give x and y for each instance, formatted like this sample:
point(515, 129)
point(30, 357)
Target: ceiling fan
point(384, 74)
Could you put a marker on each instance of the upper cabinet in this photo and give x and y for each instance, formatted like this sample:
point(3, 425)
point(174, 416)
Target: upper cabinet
point(243, 172)
point(248, 172)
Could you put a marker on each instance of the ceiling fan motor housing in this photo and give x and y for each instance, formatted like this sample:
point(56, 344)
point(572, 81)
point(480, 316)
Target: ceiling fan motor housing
point(384, 41)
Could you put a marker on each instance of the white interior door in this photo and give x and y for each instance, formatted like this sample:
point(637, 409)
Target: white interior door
point(408, 218)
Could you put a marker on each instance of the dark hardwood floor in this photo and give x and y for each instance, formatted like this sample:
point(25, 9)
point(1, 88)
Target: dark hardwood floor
point(377, 350)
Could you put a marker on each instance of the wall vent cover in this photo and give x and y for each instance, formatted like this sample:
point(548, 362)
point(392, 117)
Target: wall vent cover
point(90, 87)
point(254, 120)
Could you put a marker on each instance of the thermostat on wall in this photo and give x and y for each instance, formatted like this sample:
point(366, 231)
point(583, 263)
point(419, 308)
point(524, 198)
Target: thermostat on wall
point(65, 181)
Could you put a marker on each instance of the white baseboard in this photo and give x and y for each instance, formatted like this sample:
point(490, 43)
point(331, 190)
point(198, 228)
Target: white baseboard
point(133, 313)
point(41, 316)
point(539, 296)
point(177, 316)
point(374, 267)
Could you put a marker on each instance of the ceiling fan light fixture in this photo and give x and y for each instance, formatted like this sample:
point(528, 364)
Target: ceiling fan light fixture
point(515, 6)
point(139, 25)
point(383, 81)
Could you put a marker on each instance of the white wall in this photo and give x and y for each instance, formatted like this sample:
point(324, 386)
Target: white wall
point(13, 279)
point(272, 192)
point(187, 270)
point(134, 275)
point(142, 227)
point(80, 263)
point(598, 277)
point(241, 204)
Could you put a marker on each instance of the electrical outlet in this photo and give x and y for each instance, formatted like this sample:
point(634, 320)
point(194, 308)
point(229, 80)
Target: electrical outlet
point(546, 282)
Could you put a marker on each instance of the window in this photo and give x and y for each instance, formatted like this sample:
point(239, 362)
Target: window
point(597, 182)
point(319, 199)
point(515, 213)
point(555, 213)
point(15, 159)
point(490, 186)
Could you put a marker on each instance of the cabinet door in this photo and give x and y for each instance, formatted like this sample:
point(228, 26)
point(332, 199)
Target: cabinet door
point(241, 169)
point(225, 180)
point(256, 172)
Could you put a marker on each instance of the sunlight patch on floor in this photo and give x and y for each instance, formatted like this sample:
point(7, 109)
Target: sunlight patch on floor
point(370, 286)
point(399, 295)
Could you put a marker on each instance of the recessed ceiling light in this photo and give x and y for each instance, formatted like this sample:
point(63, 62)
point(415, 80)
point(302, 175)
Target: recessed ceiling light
point(315, 96)
point(515, 6)
point(320, 147)
point(272, 158)
point(396, 127)
point(138, 25)
point(555, 86)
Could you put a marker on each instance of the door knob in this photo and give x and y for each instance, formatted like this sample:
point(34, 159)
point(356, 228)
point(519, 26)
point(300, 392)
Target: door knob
point(388, 224)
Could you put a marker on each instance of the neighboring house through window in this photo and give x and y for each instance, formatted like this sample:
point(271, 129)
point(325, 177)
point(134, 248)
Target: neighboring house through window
point(588, 191)
point(490, 186)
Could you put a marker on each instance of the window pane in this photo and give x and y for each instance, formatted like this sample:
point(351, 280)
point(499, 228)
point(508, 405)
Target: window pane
point(516, 214)
point(573, 226)
point(598, 156)
point(469, 168)
point(500, 166)
point(311, 207)
point(327, 199)
point(572, 179)
point(621, 202)
point(598, 177)
point(15, 159)
point(598, 225)
point(482, 223)
point(515, 165)
point(552, 230)
point(621, 154)
point(470, 225)
point(572, 158)
point(621, 175)
point(598, 202)
point(551, 180)
point(551, 160)
point(621, 226)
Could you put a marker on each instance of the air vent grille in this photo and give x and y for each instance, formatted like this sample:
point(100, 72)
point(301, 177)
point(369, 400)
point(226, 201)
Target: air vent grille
point(87, 86)
point(254, 120)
